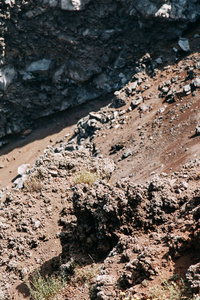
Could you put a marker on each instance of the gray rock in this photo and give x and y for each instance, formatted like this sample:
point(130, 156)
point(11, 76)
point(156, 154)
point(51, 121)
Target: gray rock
point(132, 87)
point(103, 82)
point(187, 89)
point(159, 60)
point(57, 77)
point(126, 154)
point(101, 296)
point(35, 12)
point(70, 147)
point(119, 99)
point(53, 173)
point(120, 62)
point(173, 10)
point(53, 3)
point(198, 65)
point(85, 95)
point(7, 75)
point(26, 76)
point(184, 44)
point(77, 72)
point(67, 267)
point(143, 107)
point(193, 277)
point(42, 65)
point(96, 116)
point(136, 102)
point(1, 194)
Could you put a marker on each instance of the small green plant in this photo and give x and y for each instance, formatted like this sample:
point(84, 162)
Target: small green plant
point(45, 287)
point(86, 177)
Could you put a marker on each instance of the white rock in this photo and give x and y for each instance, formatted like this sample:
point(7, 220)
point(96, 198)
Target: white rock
point(198, 65)
point(197, 130)
point(53, 173)
point(133, 85)
point(115, 114)
point(184, 184)
point(187, 89)
point(73, 4)
point(37, 224)
point(196, 82)
point(10, 2)
point(164, 11)
point(22, 169)
point(19, 182)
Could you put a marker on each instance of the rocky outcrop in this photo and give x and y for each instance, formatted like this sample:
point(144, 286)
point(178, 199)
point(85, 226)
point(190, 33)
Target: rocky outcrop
point(104, 212)
point(79, 51)
point(140, 228)
point(173, 10)
point(126, 223)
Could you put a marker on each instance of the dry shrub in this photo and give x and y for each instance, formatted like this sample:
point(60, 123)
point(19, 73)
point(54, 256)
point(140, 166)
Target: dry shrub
point(172, 289)
point(86, 177)
point(86, 274)
point(34, 183)
point(45, 287)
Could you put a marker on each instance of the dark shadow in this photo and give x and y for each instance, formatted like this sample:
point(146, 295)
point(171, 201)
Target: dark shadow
point(195, 135)
point(54, 124)
point(16, 177)
point(23, 290)
point(188, 258)
point(129, 42)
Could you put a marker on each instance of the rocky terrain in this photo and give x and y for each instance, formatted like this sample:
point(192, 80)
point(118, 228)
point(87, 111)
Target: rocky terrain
point(111, 186)
point(59, 54)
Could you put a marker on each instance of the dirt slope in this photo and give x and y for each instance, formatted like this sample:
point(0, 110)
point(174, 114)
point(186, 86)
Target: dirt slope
point(139, 231)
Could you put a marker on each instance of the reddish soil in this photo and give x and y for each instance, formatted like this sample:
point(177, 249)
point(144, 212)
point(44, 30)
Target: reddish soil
point(160, 142)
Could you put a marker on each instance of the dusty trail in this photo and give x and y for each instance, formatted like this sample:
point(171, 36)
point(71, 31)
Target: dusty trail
point(26, 150)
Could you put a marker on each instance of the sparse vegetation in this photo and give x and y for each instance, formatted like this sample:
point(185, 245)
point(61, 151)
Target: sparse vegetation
point(86, 274)
point(50, 287)
point(86, 177)
point(168, 291)
point(34, 183)
point(45, 287)
point(173, 289)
